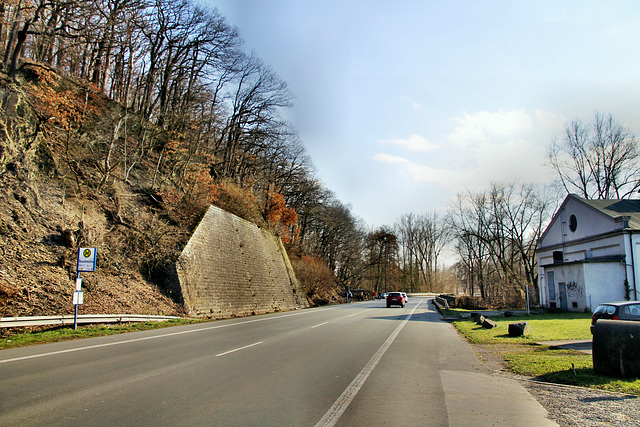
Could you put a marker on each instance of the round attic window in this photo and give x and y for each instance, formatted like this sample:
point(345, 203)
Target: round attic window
point(573, 223)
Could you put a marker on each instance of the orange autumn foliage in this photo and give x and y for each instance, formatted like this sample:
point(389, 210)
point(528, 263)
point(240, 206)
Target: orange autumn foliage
point(281, 217)
point(64, 108)
point(187, 204)
point(277, 210)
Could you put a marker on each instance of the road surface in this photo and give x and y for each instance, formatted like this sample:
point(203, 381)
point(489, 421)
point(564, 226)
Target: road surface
point(358, 364)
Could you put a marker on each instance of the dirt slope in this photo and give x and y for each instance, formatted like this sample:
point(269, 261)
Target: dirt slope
point(37, 260)
point(46, 214)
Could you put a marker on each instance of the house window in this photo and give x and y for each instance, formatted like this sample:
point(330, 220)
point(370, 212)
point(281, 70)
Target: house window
point(573, 223)
point(558, 257)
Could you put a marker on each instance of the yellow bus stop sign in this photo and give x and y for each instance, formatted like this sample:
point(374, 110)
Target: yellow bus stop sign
point(87, 259)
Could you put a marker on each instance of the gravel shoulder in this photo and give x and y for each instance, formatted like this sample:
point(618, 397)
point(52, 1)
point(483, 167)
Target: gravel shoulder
point(570, 405)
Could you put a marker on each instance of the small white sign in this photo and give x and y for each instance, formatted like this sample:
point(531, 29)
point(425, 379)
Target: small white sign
point(87, 259)
point(78, 298)
point(78, 284)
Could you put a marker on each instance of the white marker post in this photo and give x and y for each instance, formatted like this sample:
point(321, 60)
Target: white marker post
point(87, 258)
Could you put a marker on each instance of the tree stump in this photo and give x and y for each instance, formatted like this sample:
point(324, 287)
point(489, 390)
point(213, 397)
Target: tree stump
point(518, 329)
point(489, 324)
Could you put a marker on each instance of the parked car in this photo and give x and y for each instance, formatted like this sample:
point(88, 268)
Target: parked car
point(395, 298)
point(384, 295)
point(406, 298)
point(625, 310)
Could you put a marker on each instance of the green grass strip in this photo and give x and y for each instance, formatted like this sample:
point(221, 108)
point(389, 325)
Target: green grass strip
point(12, 339)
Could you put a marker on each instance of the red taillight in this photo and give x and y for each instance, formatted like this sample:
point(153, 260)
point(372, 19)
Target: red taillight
point(615, 317)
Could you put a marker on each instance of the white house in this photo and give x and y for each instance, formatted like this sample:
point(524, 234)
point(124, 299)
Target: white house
point(590, 254)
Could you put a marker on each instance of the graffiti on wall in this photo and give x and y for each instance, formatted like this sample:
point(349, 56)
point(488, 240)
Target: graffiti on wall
point(574, 290)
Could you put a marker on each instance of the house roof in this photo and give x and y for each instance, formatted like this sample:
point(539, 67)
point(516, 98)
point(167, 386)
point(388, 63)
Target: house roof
point(616, 208)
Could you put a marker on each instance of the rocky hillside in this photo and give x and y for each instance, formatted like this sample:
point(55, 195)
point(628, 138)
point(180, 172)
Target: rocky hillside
point(79, 170)
point(50, 205)
point(40, 231)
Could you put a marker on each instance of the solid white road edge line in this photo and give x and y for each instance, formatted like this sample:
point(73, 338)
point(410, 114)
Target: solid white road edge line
point(334, 413)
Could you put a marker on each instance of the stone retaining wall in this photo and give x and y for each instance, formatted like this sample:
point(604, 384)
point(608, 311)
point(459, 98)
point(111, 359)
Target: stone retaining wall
point(230, 267)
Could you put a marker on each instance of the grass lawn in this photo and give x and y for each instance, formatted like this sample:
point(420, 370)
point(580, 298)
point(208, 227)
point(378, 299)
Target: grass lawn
point(66, 333)
point(542, 327)
point(525, 357)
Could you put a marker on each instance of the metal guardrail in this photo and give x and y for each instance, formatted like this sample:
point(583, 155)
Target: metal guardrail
point(67, 319)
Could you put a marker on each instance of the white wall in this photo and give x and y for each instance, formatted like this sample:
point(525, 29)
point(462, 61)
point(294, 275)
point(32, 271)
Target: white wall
point(604, 282)
point(572, 275)
point(633, 271)
point(590, 222)
point(586, 249)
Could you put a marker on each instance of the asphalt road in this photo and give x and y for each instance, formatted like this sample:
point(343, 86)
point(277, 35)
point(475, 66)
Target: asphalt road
point(358, 364)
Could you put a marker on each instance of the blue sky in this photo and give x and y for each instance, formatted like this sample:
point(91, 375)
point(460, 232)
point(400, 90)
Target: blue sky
point(404, 104)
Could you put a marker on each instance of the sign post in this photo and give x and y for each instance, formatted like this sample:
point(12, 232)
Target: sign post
point(87, 258)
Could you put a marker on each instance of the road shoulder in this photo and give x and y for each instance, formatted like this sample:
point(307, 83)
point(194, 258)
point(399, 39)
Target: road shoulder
point(569, 405)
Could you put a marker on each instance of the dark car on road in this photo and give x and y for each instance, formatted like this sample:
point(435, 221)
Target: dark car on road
point(625, 310)
point(395, 298)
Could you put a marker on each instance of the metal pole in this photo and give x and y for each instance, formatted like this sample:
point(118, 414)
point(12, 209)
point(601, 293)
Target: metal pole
point(75, 310)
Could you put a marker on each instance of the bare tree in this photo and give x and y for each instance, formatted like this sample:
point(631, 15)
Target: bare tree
point(406, 228)
point(7, 8)
point(421, 239)
point(257, 97)
point(598, 160)
point(32, 14)
point(383, 253)
point(466, 219)
point(496, 234)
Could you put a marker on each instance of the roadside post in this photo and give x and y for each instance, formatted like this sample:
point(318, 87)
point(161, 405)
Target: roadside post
point(86, 262)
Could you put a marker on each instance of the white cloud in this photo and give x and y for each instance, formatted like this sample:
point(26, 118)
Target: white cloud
point(549, 120)
point(414, 143)
point(415, 105)
point(478, 127)
point(495, 162)
point(514, 160)
point(388, 158)
point(491, 147)
point(423, 173)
